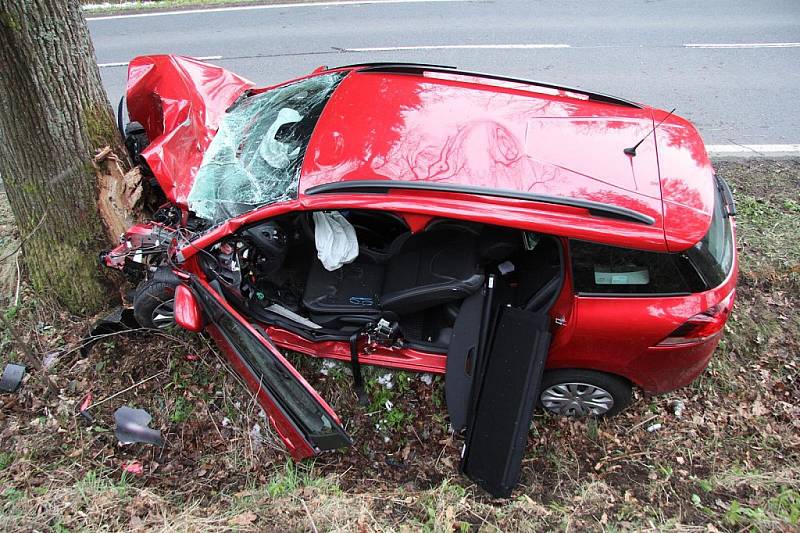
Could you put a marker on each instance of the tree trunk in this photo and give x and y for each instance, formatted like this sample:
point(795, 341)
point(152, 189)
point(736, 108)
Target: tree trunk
point(54, 115)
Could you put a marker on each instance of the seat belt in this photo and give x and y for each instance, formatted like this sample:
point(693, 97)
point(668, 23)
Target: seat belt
point(358, 379)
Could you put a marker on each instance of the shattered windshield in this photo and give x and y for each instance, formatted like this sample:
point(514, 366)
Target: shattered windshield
point(256, 155)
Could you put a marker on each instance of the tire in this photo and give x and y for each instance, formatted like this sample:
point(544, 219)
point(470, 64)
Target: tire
point(153, 305)
point(568, 392)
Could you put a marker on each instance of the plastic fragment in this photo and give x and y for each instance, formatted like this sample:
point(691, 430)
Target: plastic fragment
point(677, 407)
point(255, 436)
point(132, 426)
point(120, 319)
point(327, 366)
point(134, 467)
point(12, 377)
point(654, 427)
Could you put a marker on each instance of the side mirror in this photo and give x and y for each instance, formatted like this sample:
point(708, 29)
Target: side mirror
point(321, 68)
point(188, 314)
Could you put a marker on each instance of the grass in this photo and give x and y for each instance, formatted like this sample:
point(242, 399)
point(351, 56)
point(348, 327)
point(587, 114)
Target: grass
point(296, 476)
point(730, 461)
point(5, 460)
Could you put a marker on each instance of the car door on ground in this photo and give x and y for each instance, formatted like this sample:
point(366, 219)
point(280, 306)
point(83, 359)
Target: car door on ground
point(302, 419)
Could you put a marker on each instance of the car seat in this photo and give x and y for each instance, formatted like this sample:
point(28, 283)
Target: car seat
point(430, 268)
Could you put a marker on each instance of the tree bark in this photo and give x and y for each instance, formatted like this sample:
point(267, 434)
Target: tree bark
point(54, 115)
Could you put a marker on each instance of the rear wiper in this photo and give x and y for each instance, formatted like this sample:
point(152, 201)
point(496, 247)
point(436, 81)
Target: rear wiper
point(727, 196)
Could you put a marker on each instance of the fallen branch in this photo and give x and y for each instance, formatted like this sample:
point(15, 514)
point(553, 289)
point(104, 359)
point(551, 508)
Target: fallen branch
point(310, 518)
point(640, 424)
point(124, 391)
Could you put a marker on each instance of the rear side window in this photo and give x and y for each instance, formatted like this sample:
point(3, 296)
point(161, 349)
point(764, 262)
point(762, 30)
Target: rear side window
point(601, 269)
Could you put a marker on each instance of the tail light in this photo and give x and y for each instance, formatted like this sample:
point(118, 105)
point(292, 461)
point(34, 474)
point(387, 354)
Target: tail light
point(701, 326)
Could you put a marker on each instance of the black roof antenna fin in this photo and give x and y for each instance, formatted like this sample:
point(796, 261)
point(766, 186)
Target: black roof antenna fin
point(632, 150)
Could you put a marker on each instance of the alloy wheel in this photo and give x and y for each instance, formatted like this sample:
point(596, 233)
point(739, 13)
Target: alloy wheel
point(577, 399)
point(163, 315)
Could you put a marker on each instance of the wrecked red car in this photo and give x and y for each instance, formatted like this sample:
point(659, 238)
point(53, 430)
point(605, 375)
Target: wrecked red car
point(534, 244)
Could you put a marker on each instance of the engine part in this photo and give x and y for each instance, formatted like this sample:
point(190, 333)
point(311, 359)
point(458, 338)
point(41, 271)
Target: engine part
point(169, 216)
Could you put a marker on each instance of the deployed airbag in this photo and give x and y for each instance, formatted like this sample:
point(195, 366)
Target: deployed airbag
point(335, 239)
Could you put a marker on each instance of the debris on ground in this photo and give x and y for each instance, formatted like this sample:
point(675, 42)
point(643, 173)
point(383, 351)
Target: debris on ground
point(132, 426)
point(134, 467)
point(677, 407)
point(12, 377)
point(120, 319)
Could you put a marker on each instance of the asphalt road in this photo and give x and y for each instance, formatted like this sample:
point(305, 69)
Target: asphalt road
point(745, 92)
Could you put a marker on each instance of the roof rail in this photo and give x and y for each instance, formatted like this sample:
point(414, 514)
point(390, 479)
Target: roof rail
point(419, 68)
point(377, 186)
point(393, 64)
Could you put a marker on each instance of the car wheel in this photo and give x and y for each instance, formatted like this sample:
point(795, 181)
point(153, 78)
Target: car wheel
point(154, 304)
point(584, 393)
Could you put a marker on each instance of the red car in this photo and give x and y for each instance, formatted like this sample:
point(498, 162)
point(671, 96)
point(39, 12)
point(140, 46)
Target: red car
point(419, 217)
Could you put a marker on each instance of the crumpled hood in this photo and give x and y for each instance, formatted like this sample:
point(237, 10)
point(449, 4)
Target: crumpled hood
point(179, 101)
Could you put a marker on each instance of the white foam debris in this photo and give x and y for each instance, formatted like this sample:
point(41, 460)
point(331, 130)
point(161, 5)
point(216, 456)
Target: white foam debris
point(327, 366)
point(386, 380)
point(255, 436)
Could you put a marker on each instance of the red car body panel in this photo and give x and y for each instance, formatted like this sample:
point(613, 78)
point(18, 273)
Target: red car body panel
point(468, 130)
point(687, 181)
point(464, 132)
point(179, 101)
point(369, 354)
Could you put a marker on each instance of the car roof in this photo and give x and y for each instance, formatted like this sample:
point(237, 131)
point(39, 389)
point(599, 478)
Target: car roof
point(436, 126)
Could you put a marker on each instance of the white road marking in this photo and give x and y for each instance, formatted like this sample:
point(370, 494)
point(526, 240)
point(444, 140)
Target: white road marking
point(742, 45)
point(271, 6)
point(456, 47)
point(754, 150)
point(125, 63)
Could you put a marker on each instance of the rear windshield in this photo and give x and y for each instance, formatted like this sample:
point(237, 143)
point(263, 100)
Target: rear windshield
point(713, 255)
point(256, 155)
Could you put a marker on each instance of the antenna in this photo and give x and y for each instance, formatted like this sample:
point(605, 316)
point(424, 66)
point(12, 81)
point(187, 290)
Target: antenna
point(632, 150)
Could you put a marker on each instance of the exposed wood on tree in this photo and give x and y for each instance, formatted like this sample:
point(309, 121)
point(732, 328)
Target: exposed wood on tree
point(119, 193)
point(54, 116)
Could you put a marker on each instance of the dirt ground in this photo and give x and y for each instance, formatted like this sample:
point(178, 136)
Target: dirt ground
point(731, 461)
